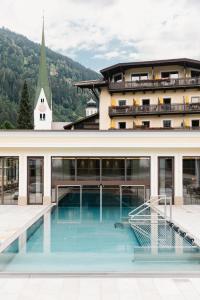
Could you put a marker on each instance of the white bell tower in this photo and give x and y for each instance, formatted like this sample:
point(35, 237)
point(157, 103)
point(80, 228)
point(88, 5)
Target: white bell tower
point(43, 98)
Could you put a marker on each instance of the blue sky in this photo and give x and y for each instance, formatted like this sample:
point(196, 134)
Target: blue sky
point(98, 33)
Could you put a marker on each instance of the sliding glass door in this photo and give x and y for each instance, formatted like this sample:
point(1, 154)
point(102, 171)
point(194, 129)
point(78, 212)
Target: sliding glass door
point(35, 180)
point(166, 176)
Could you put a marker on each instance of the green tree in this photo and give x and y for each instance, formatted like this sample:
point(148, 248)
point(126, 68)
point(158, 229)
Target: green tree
point(7, 125)
point(24, 120)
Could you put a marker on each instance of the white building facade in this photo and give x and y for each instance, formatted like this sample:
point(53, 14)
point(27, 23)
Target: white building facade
point(36, 179)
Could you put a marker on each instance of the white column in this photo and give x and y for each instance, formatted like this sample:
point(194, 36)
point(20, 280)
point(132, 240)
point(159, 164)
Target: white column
point(154, 175)
point(22, 199)
point(47, 180)
point(178, 179)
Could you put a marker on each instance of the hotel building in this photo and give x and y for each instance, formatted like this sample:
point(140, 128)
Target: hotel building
point(140, 138)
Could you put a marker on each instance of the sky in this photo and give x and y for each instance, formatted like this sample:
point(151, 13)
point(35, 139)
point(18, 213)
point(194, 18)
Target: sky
point(99, 33)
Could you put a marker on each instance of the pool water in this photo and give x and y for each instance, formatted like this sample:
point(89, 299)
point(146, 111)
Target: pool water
point(65, 241)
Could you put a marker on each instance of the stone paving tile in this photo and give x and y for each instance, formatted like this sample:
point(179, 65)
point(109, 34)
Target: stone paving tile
point(28, 288)
point(187, 289)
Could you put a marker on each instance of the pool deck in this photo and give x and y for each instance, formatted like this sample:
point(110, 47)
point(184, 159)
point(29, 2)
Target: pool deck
point(61, 288)
point(14, 220)
point(187, 217)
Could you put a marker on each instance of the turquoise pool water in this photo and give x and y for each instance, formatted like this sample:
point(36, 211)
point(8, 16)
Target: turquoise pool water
point(61, 241)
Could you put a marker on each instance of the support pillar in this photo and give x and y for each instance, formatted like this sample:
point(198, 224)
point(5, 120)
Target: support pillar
point(178, 180)
point(47, 180)
point(22, 199)
point(154, 175)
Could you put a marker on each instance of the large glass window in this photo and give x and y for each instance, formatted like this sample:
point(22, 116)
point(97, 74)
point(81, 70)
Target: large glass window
point(63, 168)
point(9, 180)
point(191, 180)
point(88, 169)
point(82, 171)
point(138, 172)
point(166, 176)
point(113, 168)
point(35, 180)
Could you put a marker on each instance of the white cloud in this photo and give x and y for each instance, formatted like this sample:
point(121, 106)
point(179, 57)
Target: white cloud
point(150, 29)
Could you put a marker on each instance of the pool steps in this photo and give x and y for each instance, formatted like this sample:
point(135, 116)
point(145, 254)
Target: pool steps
point(142, 218)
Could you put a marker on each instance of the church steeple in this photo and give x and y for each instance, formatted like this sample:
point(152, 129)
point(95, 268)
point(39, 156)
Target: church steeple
point(43, 81)
point(43, 97)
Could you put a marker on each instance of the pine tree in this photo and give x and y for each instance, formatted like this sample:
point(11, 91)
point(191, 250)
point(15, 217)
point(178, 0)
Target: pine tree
point(7, 125)
point(25, 119)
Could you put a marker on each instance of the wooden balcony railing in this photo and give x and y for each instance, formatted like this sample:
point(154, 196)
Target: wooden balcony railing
point(159, 109)
point(154, 84)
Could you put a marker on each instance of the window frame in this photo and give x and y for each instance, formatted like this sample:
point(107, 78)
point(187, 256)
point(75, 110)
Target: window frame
point(139, 76)
point(167, 121)
point(120, 123)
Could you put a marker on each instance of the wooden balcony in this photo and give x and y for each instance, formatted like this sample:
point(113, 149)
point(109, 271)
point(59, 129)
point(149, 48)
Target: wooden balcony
point(159, 109)
point(158, 84)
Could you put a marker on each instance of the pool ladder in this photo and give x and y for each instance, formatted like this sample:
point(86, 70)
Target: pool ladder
point(142, 218)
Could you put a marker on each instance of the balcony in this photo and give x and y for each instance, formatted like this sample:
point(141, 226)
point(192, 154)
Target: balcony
point(158, 84)
point(158, 109)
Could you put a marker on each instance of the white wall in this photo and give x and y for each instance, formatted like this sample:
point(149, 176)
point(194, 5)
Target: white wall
point(42, 108)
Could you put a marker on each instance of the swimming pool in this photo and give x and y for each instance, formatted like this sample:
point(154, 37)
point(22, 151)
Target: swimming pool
point(58, 243)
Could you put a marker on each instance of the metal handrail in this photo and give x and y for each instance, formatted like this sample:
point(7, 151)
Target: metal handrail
point(147, 204)
point(142, 222)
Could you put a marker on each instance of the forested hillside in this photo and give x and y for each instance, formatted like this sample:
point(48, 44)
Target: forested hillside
point(19, 61)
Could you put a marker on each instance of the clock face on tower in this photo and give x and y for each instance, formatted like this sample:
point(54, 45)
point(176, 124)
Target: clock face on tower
point(42, 107)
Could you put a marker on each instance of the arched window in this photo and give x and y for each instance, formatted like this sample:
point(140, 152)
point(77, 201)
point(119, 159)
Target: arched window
point(44, 116)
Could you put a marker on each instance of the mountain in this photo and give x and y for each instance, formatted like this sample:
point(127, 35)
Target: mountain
point(19, 61)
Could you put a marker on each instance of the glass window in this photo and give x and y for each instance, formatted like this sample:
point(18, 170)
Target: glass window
point(145, 102)
point(195, 123)
point(138, 172)
point(195, 99)
point(191, 180)
point(195, 74)
point(166, 176)
point(9, 180)
point(146, 124)
point(63, 169)
point(139, 76)
point(88, 169)
point(166, 123)
point(118, 77)
point(122, 102)
point(113, 169)
point(167, 101)
point(35, 180)
point(122, 125)
point(173, 75)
